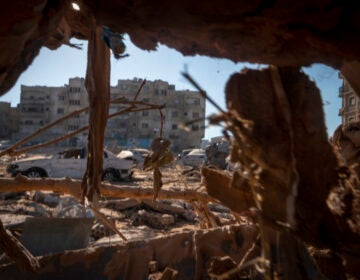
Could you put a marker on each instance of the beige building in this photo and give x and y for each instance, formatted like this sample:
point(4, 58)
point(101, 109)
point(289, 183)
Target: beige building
point(138, 129)
point(41, 105)
point(350, 109)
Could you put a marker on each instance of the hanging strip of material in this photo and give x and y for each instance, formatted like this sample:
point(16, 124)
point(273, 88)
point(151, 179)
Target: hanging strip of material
point(97, 84)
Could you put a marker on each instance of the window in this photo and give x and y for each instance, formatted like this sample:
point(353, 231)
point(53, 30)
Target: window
point(352, 101)
point(76, 116)
point(146, 100)
point(145, 125)
point(61, 97)
point(74, 89)
point(175, 114)
point(72, 127)
point(174, 126)
point(28, 122)
point(197, 101)
point(32, 110)
point(60, 110)
point(74, 102)
point(195, 127)
point(145, 113)
point(196, 115)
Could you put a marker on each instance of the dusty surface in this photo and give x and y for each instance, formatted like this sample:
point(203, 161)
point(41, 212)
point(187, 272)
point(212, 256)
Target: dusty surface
point(132, 217)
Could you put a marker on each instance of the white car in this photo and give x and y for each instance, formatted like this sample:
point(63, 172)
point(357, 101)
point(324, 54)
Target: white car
point(137, 155)
point(183, 153)
point(195, 158)
point(70, 163)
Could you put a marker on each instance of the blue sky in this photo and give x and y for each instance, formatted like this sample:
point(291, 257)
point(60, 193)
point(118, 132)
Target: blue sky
point(54, 68)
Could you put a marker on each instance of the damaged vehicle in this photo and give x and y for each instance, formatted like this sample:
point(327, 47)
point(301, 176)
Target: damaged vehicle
point(136, 155)
point(70, 163)
point(195, 158)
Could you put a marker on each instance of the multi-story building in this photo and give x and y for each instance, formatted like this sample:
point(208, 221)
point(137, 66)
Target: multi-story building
point(350, 109)
point(9, 120)
point(139, 128)
point(40, 105)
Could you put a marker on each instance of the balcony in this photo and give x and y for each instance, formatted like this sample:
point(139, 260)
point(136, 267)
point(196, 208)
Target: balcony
point(341, 111)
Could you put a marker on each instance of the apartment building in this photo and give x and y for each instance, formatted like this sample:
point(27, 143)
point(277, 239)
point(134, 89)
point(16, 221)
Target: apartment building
point(9, 120)
point(41, 105)
point(350, 109)
point(138, 129)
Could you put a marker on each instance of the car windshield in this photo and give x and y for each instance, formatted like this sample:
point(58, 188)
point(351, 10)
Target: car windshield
point(72, 153)
point(196, 152)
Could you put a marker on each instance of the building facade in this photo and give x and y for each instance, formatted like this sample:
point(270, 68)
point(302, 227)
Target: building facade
point(140, 128)
point(9, 120)
point(350, 109)
point(40, 106)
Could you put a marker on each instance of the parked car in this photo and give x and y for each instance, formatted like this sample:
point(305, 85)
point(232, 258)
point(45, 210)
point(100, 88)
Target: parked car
point(4, 144)
point(137, 155)
point(195, 158)
point(182, 154)
point(70, 163)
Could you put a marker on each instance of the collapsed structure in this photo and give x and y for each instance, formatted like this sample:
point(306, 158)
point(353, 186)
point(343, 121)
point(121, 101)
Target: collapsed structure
point(292, 180)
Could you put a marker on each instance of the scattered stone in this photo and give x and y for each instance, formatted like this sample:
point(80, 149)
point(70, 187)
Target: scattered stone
point(153, 220)
point(131, 234)
point(220, 265)
point(168, 207)
point(120, 204)
point(70, 207)
point(218, 208)
point(49, 199)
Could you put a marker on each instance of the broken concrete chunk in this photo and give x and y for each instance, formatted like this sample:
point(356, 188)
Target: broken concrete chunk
point(172, 208)
point(120, 204)
point(48, 199)
point(154, 220)
point(54, 235)
point(189, 253)
point(70, 207)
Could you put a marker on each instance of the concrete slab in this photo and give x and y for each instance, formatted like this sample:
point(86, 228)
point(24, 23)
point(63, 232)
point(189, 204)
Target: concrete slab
point(43, 236)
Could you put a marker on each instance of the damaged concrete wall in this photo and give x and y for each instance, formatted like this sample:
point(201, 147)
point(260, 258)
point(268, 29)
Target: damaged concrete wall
point(189, 253)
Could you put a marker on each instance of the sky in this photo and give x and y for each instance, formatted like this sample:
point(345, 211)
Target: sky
point(54, 68)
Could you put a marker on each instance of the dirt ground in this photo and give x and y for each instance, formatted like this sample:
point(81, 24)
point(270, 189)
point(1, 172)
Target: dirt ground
point(134, 219)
